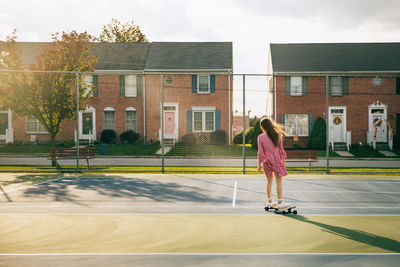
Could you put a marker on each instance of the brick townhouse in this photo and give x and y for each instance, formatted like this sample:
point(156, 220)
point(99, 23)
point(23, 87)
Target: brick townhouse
point(364, 91)
point(197, 85)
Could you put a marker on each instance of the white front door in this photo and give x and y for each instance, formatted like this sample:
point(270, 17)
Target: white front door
point(87, 124)
point(170, 121)
point(378, 124)
point(337, 124)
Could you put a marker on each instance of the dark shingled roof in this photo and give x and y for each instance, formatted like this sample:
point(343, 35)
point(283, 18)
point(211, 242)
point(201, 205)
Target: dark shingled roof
point(335, 57)
point(190, 55)
point(150, 56)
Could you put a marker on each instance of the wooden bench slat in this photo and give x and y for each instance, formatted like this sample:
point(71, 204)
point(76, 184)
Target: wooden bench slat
point(70, 153)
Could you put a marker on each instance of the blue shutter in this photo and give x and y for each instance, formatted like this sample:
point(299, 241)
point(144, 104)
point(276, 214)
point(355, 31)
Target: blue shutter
point(305, 85)
point(122, 85)
point(212, 83)
point(310, 123)
point(96, 85)
point(345, 85)
point(282, 119)
point(217, 120)
point(189, 121)
point(194, 84)
point(287, 85)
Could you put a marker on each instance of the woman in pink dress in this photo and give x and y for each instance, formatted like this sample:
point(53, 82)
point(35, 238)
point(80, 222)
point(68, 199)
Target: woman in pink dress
point(271, 157)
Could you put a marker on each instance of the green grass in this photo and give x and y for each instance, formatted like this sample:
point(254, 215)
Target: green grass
point(365, 151)
point(28, 149)
point(211, 151)
point(130, 149)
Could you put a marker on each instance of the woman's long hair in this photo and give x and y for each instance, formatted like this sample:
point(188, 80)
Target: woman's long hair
point(273, 129)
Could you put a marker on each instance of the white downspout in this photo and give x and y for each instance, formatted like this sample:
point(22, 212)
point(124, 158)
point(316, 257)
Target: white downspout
point(229, 108)
point(274, 97)
point(144, 107)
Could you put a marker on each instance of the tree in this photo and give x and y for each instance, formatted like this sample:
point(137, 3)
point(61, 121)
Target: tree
point(117, 32)
point(257, 132)
point(47, 97)
point(317, 139)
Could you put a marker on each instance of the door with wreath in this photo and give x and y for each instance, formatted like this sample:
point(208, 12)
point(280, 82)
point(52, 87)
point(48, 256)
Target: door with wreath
point(337, 125)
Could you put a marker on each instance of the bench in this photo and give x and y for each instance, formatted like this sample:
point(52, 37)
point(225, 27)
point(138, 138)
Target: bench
point(70, 153)
point(302, 156)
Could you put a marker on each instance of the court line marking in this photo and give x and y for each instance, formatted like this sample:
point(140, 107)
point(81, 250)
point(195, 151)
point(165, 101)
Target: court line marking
point(197, 214)
point(198, 254)
point(234, 194)
point(30, 186)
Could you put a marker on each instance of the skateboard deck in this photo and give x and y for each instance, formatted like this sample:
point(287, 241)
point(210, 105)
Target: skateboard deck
point(287, 210)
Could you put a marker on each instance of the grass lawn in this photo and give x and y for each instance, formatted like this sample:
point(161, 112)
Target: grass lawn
point(130, 149)
point(28, 149)
point(365, 152)
point(211, 150)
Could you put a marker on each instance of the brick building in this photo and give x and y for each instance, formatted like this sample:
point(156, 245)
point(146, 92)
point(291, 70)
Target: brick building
point(364, 91)
point(197, 86)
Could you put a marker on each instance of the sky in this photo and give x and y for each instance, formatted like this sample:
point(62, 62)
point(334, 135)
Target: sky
point(250, 24)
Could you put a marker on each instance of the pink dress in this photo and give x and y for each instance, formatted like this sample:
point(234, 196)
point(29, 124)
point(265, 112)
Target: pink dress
point(270, 156)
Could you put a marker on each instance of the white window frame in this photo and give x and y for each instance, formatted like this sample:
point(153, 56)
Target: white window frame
point(87, 80)
point(37, 127)
point(341, 86)
point(296, 93)
point(198, 84)
point(203, 121)
point(297, 114)
point(127, 110)
point(134, 78)
point(104, 119)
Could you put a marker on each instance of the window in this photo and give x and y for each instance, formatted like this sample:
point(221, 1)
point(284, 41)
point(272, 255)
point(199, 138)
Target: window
point(87, 83)
point(203, 84)
point(296, 86)
point(203, 121)
point(109, 119)
point(130, 85)
point(130, 119)
point(296, 124)
point(33, 126)
point(336, 85)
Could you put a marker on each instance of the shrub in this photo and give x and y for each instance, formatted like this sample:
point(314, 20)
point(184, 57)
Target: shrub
point(129, 137)
point(108, 136)
point(257, 132)
point(218, 137)
point(317, 138)
point(188, 139)
point(249, 134)
point(396, 141)
point(238, 138)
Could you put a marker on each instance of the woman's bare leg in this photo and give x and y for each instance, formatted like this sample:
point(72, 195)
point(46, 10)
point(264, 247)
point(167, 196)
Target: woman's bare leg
point(269, 186)
point(278, 187)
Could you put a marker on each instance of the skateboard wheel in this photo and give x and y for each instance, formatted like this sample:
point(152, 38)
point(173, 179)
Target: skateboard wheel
point(295, 212)
point(283, 212)
point(266, 208)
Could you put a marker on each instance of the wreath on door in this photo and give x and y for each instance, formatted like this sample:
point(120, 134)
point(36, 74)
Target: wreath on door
point(337, 120)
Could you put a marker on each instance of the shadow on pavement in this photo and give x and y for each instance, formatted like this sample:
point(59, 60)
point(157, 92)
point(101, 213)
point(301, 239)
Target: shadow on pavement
point(355, 235)
point(114, 189)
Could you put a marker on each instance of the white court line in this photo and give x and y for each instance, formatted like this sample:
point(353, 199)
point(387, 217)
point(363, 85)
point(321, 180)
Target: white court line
point(29, 186)
point(234, 195)
point(199, 254)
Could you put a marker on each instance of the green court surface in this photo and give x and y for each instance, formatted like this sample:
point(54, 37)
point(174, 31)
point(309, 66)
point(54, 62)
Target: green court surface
point(123, 233)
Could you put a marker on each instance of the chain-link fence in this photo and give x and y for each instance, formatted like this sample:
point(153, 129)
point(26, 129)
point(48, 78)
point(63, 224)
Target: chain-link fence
point(198, 122)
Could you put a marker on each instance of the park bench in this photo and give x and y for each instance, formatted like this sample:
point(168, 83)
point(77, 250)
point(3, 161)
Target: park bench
point(70, 153)
point(302, 156)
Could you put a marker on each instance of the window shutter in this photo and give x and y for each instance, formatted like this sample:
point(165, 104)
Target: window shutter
point(194, 84)
point(282, 119)
point(96, 85)
point(310, 123)
point(189, 120)
point(139, 84)
point(287, 85)
point(398, 86)
point(217, 120)
point(212, 83)
point(345, 85)
point(305, 85)
point(122, 85)
point(329, 84)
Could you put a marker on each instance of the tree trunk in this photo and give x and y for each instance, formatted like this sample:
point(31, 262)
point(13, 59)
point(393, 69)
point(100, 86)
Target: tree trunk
point(53, 144)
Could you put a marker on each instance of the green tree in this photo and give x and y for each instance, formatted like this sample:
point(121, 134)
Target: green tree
point(317, 138)
point(47, 97)
point(116, 32)
point(257, 132)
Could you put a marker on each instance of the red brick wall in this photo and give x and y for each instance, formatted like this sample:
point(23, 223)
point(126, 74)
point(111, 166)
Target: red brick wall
point(362, 93)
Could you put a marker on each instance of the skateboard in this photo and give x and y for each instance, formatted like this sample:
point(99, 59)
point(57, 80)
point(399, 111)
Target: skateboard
point(287, 210)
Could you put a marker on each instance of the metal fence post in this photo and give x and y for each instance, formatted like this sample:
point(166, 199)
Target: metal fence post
point(162, 123)
point(327, 123)
point(77, 121)
point(244, 124)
